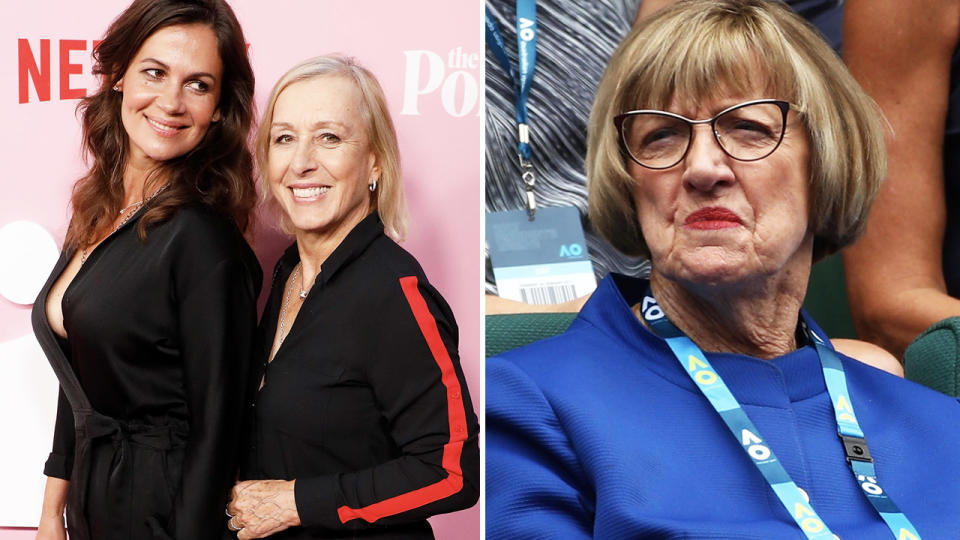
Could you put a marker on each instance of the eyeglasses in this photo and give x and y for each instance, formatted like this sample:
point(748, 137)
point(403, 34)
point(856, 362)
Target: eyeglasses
point(749, 131)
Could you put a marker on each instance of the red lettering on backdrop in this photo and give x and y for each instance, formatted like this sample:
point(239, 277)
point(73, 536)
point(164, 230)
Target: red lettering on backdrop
point(28, 68)
point(67, 69)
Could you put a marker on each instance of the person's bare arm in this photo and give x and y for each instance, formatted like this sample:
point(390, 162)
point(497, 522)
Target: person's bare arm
point(51, 513)
point(869, 354)
point(900, 51)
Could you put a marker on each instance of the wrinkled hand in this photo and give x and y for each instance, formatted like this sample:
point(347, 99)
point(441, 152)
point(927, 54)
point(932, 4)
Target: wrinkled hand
point(263, 507)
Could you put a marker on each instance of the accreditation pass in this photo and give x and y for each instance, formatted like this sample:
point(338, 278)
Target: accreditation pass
point(540, 261)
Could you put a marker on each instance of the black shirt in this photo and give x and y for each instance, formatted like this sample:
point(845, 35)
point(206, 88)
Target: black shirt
point(365, 403)
point(160, 335)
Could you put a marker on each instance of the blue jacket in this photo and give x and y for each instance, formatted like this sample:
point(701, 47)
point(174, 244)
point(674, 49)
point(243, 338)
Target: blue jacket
point(598, 432)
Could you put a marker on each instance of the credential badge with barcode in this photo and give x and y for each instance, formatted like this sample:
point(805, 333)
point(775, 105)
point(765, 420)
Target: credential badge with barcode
point(544, 261)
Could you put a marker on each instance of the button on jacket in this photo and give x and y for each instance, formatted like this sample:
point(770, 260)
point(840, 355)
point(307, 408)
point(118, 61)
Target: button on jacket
point(365, 403)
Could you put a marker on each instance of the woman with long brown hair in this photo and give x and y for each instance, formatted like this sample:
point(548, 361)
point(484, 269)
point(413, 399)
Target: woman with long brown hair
point(147, 317)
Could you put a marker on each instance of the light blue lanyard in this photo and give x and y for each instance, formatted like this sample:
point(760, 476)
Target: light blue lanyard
point(697, 366)
point(522, 81)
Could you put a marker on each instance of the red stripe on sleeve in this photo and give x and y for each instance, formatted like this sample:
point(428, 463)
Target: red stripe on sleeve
point(456, 417)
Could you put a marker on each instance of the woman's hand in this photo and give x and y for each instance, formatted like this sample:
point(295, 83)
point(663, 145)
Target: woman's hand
point(263, 507)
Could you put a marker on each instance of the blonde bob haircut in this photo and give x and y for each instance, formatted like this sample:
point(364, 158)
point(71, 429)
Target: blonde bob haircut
point(700, 49)
point(388, 200)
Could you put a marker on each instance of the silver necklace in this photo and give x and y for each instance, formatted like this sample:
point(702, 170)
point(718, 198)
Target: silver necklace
point(286, 302)
point(303, 292)
point(124, 217)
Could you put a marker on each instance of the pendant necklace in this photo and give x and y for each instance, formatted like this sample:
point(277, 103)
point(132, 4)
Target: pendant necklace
point(297, 272)
point(125, 217)
point(303, 292)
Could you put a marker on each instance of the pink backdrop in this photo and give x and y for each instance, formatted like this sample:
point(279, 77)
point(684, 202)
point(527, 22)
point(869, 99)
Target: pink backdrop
point(429, 58)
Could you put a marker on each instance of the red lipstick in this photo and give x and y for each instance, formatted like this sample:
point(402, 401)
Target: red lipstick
point(712, 217)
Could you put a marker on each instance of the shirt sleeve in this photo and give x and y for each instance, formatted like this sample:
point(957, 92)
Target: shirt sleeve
point(419, 385)
point(534, 483)
point(217, 318)
point(60, 462)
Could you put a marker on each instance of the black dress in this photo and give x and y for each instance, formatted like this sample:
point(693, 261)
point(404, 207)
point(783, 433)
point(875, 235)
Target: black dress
point(153, 377)
point(365, 403)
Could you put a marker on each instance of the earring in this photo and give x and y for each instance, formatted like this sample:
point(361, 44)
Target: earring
point(373, 186)
point(116, 87)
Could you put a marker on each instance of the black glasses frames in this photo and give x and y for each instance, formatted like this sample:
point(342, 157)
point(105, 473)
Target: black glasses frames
point(748, 131)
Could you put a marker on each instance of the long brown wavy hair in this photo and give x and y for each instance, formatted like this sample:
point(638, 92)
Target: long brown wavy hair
point(217, 172)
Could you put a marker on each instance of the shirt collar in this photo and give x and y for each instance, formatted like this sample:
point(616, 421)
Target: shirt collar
point(354, 244)
point(798, 373)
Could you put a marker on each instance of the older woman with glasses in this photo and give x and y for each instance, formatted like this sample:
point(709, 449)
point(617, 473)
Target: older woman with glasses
point(729, 144)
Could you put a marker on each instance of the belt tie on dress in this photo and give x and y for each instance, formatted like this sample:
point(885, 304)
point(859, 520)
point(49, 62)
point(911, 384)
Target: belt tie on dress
point(91, 426)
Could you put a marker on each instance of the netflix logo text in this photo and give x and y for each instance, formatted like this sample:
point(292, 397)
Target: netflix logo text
point(37, 68)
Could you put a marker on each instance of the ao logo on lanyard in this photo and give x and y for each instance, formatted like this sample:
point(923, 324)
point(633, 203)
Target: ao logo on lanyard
point(793, 498)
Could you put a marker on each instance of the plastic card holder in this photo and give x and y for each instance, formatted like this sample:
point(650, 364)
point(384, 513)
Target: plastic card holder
point(540, 261)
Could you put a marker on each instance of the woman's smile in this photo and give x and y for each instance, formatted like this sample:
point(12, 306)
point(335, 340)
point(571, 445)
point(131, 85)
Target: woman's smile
point(164, 128)
point(308, 193)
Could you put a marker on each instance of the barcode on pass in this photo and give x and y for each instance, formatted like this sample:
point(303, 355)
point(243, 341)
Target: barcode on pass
point(553, 294)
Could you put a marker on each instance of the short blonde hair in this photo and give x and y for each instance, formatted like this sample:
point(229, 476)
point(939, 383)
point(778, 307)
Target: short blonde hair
point(388, 200)
point(694, 47)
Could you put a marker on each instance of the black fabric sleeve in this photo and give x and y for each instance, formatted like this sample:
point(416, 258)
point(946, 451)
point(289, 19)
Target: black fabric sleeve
point(415, 374)
point(60, 462)
point(217, 317)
